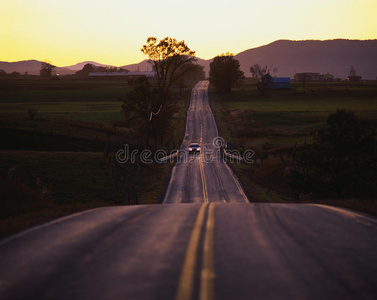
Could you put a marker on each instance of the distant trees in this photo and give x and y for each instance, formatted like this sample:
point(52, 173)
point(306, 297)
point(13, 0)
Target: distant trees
point(352, 71)
point(46, 68)
point(342, 162)
point(107, 69)
point(260, 73)
point(225, 72)
point(84, 72)
point(303, 78)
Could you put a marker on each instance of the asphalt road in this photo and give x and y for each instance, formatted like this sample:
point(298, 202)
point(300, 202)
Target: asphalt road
point(204, 177)
point(202, 250)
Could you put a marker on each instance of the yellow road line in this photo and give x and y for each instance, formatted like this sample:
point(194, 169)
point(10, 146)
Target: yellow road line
point(186, 281)
point(207, 286)
point(204, 182)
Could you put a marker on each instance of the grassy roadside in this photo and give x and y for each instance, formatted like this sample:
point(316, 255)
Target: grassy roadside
point(277, 124)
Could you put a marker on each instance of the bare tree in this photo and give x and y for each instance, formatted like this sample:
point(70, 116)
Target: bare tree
point(304, 78)
point(259, 72)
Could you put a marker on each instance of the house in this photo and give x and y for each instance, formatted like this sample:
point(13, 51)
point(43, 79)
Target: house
point(354, 78)
point(272, 83)
point(326, 77)
point(307, 76)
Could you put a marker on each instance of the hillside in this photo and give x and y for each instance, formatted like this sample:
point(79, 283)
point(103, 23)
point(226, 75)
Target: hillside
point(32, 67)
point(331, 56)
point(80, 66)
point(289, 57)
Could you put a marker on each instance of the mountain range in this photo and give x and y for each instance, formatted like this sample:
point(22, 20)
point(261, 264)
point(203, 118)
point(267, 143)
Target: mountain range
point(289, 57)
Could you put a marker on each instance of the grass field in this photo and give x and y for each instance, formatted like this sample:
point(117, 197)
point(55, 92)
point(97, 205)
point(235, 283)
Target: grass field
point(58, 162)
point(274, 125)
point(86, 101)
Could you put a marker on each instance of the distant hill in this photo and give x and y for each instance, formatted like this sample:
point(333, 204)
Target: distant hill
point(80, 66)
point(146, 66)
point(31, 67)
point(289, 57)
point(331, 56)
point(141, 66)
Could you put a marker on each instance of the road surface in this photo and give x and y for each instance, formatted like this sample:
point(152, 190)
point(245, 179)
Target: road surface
point(205, 177)
point(201, 250)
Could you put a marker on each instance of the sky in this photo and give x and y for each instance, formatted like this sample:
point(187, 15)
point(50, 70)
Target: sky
point(113, 31)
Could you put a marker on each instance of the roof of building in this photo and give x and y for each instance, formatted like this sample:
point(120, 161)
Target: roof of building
point(281, 79)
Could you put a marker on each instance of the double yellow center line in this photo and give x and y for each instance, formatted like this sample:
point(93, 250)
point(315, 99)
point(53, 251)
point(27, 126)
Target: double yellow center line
point(204, 181)
point(207, 275)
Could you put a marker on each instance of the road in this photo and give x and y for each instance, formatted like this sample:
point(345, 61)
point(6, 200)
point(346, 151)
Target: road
point(201, 250)
point(205, 177)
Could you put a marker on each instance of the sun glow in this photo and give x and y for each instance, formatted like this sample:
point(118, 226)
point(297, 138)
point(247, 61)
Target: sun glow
point(113, 31)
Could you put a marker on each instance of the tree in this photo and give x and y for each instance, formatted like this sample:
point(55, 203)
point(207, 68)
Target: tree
point(169, 59)
point(352, 71)
point(84, 72)
point(225, 72)
point(194, 74)
point(46, 68)
point(342, 162)
point(137, 106)
point(304, 78)
point(261, 73)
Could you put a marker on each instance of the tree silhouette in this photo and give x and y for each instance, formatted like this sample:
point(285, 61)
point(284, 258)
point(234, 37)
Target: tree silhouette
point(352, 71)
point(259, 72)
point(170, 60)
point(140, 101)
point(342, 162)
point(225, 72)
point(46, 68)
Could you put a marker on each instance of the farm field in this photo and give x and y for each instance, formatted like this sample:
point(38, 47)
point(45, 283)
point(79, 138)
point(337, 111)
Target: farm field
point(61, 160)
point(275, 124)
point(87, 101)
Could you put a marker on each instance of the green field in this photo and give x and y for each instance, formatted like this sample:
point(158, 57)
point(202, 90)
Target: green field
point(63, 159)
point(86, 101)
point(278, 123)
point(288, 116)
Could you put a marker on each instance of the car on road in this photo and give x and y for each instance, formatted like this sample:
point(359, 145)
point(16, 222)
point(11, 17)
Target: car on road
point(194, 148)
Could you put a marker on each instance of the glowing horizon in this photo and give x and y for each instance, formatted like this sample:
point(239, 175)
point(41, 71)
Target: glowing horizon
point(112, 32)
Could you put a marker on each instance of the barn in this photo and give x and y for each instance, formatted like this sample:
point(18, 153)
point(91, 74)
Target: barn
point(272, 83)
point(279, 83)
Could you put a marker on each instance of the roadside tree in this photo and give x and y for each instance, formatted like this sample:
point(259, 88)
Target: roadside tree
point(342, 162)
point(170, 60)
point(140, 101)
point(225, 72)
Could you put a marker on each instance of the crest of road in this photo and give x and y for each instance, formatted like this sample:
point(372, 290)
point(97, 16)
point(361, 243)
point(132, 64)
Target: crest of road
point(211, 244)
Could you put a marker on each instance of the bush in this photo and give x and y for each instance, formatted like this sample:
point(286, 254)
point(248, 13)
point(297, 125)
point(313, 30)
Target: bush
point(342, 162)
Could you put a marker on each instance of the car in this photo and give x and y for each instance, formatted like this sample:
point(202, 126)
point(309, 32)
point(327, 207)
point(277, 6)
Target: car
point(194, 148)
